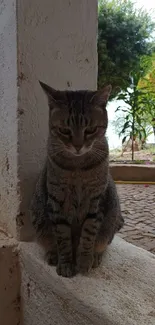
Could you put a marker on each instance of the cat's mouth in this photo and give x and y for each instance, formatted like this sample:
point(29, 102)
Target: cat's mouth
point(78, 152)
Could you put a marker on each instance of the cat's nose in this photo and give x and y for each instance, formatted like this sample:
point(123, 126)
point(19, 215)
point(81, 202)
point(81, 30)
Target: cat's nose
point(78, 148)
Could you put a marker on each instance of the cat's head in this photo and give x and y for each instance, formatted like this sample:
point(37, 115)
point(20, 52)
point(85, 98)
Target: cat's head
point(77, 119)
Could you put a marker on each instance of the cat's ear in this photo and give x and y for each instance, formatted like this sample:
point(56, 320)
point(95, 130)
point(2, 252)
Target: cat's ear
point(102, 96)
point(49, 91)
point(55, 97)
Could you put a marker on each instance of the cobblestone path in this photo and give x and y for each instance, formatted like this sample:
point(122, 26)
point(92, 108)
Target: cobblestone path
point(138, 210)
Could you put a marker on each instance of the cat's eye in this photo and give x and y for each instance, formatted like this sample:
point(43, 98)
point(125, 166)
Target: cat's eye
point(91, 130)
point(65, 131)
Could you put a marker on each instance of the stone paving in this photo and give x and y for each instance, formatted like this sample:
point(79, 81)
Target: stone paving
point(138, 210)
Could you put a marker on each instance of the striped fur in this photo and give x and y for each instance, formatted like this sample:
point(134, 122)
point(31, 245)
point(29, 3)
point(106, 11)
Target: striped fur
point(75, 209)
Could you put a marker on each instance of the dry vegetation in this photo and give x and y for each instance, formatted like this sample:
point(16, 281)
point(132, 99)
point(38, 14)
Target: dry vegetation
point(146, 156)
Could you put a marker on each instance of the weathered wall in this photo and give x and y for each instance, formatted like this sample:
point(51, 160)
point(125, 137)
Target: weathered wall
point(8, 116)
point(56, 42)
point(9, 282)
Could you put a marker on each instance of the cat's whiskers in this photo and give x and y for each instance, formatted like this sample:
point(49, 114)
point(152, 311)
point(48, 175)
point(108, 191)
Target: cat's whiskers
point(98, 154)
point(99, 151)
point(56, 152)
point(97, 157)
point(100, 142)
point(56, 149)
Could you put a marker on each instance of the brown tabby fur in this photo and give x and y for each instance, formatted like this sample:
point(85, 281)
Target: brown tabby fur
point(75, 209)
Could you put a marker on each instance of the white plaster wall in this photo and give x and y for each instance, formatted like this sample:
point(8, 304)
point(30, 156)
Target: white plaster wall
point(8, 116)
point(57, 44)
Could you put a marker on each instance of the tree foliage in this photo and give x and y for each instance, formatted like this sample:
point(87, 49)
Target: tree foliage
point(124, 36)
point(137, 111)
point(148, 82)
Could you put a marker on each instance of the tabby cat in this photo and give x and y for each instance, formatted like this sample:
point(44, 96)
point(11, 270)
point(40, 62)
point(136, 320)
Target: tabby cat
point(75, 209)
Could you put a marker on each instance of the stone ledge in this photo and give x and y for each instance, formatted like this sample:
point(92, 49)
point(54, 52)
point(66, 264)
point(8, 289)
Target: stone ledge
point(121, 292)
point(123, 172)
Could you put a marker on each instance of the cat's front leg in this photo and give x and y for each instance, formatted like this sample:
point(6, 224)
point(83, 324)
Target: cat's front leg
point(63, 236)
point(85, 255)
point(65, 265)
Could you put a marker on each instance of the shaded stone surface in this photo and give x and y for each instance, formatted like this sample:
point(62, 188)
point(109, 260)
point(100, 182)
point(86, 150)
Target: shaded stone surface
point(120, 292)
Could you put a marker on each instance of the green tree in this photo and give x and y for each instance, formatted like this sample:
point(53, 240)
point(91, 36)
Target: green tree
point(136, 119)
point(134, 109)
point(124, 36)
point(148, 82)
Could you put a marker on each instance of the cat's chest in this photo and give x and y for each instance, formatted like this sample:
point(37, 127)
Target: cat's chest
point(81, 183)
point(80, 188)
point(76, 189)
point(77, 197)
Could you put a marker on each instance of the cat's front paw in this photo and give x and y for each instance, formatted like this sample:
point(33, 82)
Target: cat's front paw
point(84, 263)
point(51, 258)
point(66, 270)
point(97, 259)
